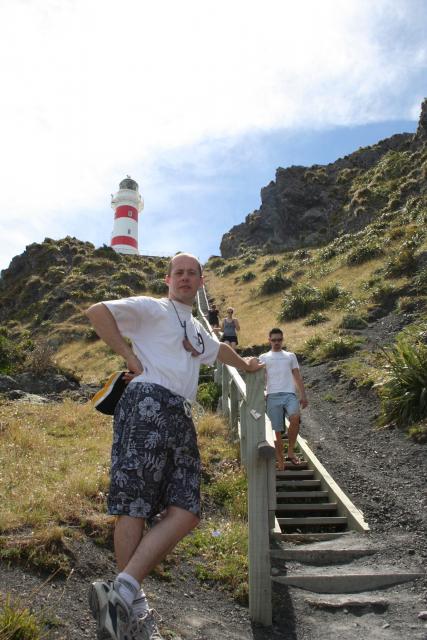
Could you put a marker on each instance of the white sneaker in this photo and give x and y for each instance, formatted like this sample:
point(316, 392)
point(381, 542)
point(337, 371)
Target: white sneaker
point(149, 626)
point(113, 615)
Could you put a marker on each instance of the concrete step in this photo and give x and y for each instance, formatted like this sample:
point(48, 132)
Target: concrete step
point(307, 506)
point(302, 494)
point(322, 520)
point(347, 582)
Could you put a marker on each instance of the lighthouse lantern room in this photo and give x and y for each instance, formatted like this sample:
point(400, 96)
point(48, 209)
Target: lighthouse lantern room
point(127, 203)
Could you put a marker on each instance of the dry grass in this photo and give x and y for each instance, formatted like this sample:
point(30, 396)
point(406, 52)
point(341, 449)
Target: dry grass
point(258, 314)
point(91, 361)
point(54, 463)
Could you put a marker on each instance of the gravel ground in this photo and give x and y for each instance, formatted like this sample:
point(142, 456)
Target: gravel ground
point(381, 471)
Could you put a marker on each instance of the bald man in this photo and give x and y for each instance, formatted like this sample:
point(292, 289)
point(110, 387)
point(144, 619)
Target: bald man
point(155, 462)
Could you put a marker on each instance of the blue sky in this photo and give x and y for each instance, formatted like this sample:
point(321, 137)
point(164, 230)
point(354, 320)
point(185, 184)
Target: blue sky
point(199, 102)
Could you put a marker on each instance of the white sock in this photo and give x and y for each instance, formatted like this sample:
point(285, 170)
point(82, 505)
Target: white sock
point(140, 604)
point(128, 587)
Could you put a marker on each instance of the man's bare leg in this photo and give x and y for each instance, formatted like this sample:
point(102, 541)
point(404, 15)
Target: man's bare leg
point(155, 545)
point(293, 430)
point(278, 443)
point(128, 534)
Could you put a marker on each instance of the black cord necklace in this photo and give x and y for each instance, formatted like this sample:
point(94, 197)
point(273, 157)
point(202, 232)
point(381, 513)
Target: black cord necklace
point(186, 342)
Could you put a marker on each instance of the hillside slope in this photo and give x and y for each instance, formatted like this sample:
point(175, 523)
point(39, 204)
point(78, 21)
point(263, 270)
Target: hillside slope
point(45, 290)
point(309, 206)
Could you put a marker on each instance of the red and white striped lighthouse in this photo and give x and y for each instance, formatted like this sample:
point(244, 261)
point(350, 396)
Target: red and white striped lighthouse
point(127, 203)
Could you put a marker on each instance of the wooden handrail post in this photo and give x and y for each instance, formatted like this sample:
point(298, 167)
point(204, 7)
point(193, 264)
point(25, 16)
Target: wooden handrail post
point(260, 607)
point(225, 391)
point(234, 410)
point(243, 434)
point(218, 372)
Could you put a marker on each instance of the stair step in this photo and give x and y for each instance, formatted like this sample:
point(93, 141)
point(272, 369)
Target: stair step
point(307, 538)
point(298, 483)
point(313, 520)
point(321, 556)
point(301, 474)
point(294, 467)
point(307, 506)
point(346, 583)
point(302, 494)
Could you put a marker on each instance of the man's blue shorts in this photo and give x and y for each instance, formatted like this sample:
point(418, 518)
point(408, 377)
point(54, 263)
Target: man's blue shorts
point(277, 404)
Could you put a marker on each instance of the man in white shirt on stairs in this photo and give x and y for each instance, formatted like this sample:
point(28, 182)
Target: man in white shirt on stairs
point(283, 378)
point(155, 461)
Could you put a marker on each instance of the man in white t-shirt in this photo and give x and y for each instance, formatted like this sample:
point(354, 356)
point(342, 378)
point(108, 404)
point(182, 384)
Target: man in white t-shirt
point(283, 378)
point(155, 462)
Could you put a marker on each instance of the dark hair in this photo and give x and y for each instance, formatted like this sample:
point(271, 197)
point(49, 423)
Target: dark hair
point(275, 330)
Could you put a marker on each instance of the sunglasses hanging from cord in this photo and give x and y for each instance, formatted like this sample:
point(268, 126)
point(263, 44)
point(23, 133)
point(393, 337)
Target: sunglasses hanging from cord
point(186, 341)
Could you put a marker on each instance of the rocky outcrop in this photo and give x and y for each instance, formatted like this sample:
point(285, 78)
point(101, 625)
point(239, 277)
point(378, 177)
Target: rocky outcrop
point(311, 206)
point(43, 388)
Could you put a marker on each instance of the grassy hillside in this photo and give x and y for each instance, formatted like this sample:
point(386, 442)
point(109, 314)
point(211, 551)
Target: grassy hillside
point(312, 291)
point(45, 291)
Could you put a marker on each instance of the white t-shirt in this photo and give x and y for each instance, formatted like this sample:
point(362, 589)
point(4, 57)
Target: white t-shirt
point(156, 334)
point(278, 366)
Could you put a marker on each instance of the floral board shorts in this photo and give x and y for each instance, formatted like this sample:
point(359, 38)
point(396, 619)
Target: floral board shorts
point(155, 460)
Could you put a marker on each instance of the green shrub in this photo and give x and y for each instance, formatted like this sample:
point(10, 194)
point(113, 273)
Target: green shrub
point(315, 318)
point(401, 263)
point(248, 276)
point(326, 254)
point(274, 283)
point(158, 286)
point(302, 254)
point(249, 259)
point(304, 299)
point(340, 347)
point(383, 293)
point(404, 395)
point(418, 432)
point(331, 292)
point(18, 623)
point(11, 355)
point(90, 335)
point(228, 268)
point(132, 278)
point(420, 281)
point(269, 264)
point(311, 344)
point(208, 394)
point(215, 261)
point(363, 253)
point(353, 321)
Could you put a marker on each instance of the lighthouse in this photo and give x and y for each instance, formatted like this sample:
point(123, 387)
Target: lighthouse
point(127, 203)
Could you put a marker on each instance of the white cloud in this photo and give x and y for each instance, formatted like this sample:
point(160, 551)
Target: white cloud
point(93, 88)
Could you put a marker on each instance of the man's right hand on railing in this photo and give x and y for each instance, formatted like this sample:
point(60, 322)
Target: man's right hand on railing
point(227, 355)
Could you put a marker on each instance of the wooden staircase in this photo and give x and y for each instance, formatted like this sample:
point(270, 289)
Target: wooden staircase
point(303, 506)
point(309, 502)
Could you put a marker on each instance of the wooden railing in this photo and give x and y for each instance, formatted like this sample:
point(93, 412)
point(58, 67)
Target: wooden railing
point(244, 406)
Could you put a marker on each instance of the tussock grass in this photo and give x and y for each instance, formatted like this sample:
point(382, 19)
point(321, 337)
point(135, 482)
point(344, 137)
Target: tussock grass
point(17, 622)
point(54, 461)
point(404, 395)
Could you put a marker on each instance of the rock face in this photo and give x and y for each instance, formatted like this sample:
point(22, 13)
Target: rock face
point(311, 206)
